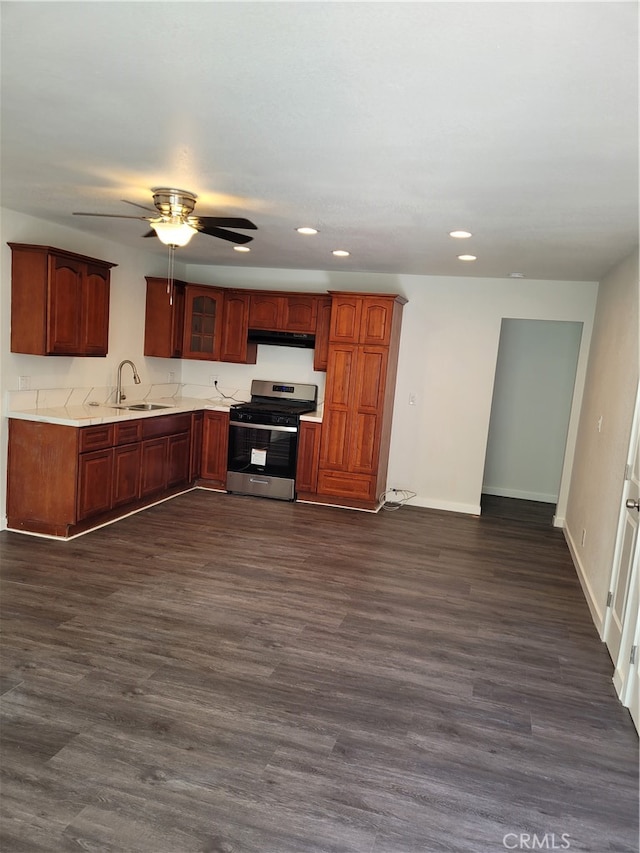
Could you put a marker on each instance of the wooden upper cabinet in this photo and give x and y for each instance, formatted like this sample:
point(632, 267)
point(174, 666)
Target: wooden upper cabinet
point(323, 324)
point(59, 302)
point(95, 314)
point(202, 323)
point(346, 311)
point(363, 318)
point(300, 313)
point(265, 311)
point(283, 312)
point(235, 329)
point(183, 320)
point(164, 318)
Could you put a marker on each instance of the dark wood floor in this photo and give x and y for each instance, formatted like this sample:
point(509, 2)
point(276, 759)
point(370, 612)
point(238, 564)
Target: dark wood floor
point(235, 675)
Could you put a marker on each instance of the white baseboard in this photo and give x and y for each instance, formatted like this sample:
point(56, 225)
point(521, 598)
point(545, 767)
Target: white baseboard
point(519, 493)
point(596, 614)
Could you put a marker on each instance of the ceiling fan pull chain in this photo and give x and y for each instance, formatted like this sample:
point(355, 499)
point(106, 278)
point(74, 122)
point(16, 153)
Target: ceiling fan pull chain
point(172, 250)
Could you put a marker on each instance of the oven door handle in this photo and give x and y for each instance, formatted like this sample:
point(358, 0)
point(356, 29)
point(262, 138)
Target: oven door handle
point(272, 428)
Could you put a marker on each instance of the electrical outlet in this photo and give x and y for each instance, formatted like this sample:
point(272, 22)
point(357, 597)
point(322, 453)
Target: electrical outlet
point(24, 383)
point(171, 377)
point(412, 399)
point(213, 379)
point(600, 424)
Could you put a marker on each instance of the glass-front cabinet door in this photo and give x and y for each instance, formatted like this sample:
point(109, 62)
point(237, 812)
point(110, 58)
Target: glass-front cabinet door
point(202, 322)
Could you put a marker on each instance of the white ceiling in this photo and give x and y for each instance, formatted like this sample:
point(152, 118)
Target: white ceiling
point(385, 125)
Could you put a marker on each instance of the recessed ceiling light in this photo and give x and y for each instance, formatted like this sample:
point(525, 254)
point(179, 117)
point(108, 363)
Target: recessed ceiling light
point(460, 235)
point(467, 258)
point(306, 230)
point(241, 249)
point(516, 275)
point(340, 253)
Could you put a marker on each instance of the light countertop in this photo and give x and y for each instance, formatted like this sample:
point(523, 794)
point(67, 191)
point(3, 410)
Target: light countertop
point(90, 415)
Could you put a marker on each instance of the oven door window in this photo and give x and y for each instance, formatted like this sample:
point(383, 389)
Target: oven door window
point(263, 450)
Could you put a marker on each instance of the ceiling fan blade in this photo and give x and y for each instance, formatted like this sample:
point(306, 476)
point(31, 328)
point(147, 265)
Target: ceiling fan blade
point(231, 236)
point(225, 222)
point(141, 206)
point(150, 233)
point(113, 215)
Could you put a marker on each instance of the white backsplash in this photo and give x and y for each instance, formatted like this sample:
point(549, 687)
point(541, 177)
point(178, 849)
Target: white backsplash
point(48, 398)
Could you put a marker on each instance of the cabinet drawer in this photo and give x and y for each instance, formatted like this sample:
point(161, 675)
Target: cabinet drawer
point(346, 485)
point(96, 437)
point(127, 433)
point(166, 425)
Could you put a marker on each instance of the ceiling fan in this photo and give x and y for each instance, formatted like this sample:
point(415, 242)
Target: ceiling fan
point(174, 223)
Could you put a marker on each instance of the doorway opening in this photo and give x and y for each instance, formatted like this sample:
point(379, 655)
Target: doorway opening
point(530, 410)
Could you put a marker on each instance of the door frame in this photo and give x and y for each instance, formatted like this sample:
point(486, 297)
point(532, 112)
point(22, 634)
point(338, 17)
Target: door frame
point(626, 656)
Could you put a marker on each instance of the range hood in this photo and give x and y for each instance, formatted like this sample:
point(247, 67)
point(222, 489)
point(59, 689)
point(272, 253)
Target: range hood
point(282, 339)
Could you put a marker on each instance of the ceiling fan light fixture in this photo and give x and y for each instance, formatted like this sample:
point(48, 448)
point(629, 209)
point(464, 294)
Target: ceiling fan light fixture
point(173, 233)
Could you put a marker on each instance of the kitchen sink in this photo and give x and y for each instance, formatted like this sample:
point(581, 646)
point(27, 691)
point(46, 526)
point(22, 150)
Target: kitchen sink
point(143, 407)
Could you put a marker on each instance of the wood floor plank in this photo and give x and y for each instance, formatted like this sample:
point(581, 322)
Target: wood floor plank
point(223, 674)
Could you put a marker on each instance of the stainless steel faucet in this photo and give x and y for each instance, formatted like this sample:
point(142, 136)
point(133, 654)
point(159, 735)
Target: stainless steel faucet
point(119, 394)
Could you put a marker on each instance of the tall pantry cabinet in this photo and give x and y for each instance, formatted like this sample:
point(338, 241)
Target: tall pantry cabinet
point(364, 339)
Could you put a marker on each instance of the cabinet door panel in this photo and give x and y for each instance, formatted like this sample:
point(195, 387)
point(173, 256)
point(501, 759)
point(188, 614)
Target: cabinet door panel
point(178, 459)
point(323, 323)
point(94, 482)
point(197, 421)
point(346, 312)
point(63, 300)
point(365, 441)
point(341, 372)
point(266, 311)
point(126, 473)
point(308, 456)
point(215, 443)
point(153, 474)
point(235, 330)
point(300, 314)
point(368, 404)
point(202, 323)
point(95, 311)
point(370, 378)
point(335, 439)
point(375, 326)
point(164, 318)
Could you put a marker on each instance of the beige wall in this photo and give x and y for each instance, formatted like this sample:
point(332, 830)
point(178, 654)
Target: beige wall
point(598, 469)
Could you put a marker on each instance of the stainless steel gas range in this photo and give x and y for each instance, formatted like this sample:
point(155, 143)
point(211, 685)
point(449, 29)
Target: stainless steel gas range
point(263, 438)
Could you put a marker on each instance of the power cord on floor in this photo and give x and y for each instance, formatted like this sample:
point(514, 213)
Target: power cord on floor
point(393, 499)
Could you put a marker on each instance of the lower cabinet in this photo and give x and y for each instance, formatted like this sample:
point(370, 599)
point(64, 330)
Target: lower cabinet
point(63, 479)
point(215, 444)
point(94, 482)
point(153, 470)
point(126, 474)
point(308, 457)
